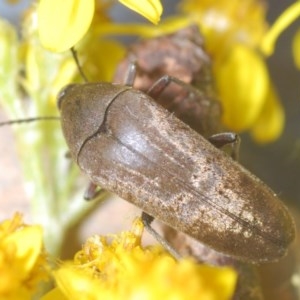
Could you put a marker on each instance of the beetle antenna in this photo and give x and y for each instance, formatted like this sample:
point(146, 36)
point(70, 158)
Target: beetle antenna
point(28, 120)
point(75, 56)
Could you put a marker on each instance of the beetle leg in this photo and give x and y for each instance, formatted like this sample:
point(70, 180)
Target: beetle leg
point(159, 86)
point(130, 74)
point(147, 220)
point(92, 191)
point(220, 140)
point(68, 155)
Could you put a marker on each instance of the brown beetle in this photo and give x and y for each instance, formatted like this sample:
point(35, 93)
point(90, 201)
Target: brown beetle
point(130, 145)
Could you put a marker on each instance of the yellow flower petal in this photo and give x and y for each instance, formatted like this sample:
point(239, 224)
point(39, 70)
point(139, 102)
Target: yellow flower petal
point(269, 125)
point(63, 23)
point(296, 49)
point(285, 19)
point(167, 26)
point(73, 282)
point(28, 243)
point(242, 81)
point(150, 9)
point(23, 265)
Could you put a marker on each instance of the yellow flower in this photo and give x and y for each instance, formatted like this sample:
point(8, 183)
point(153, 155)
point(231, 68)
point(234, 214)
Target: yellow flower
point(63, 23)
point(236, 77)
point(122, 269)
point(233, 31)
point(22, 260)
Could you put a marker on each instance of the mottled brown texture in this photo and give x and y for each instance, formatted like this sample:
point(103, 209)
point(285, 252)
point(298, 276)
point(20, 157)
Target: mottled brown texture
point(147, 156)
point(183, 56)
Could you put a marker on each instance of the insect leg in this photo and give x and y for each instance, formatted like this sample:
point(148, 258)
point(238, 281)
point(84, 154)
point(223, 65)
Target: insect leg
point(130, 74)
point(220, 140)
point(147, 220)
point(159, 86)
point(92, 192)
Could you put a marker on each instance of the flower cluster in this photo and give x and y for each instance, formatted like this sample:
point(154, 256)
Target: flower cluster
point(115, 267)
